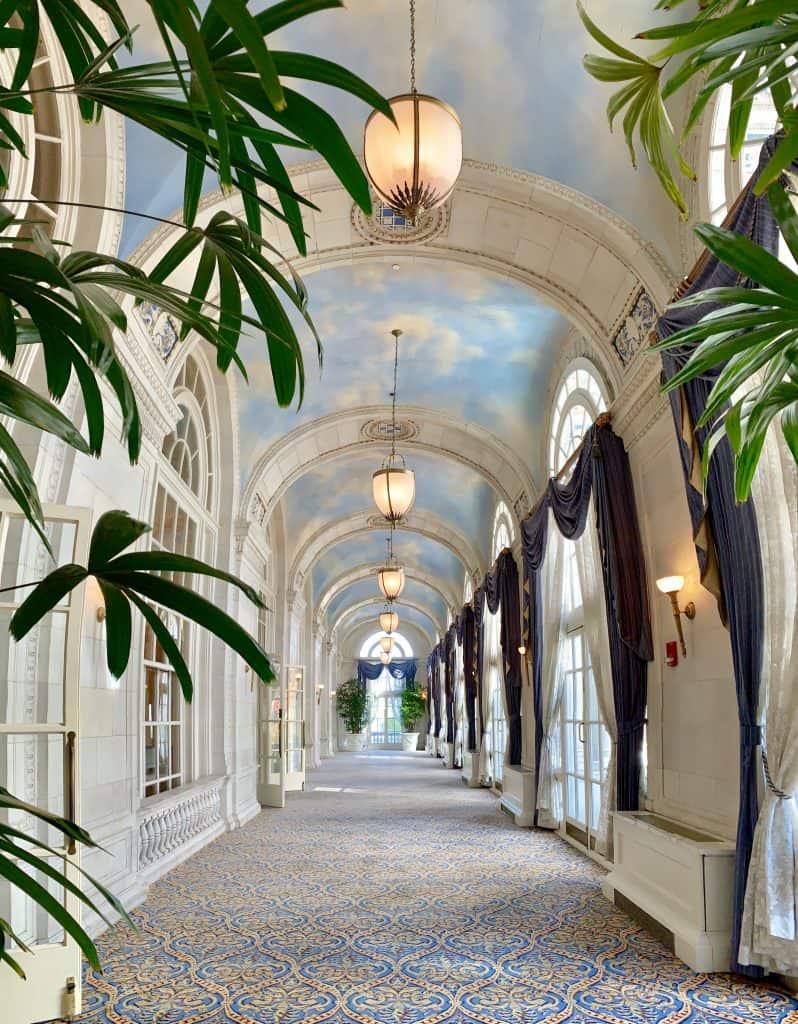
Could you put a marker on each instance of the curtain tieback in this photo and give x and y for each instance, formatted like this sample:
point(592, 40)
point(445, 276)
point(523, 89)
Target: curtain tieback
point(778, 793)
point(751, 735)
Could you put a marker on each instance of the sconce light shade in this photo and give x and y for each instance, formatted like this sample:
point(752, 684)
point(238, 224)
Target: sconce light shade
point(386, 643)
point(389, 622)
point(670, 584)
point(394, 490)
point(392, 580)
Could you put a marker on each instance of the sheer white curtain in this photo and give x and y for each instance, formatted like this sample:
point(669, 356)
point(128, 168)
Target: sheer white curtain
point(769, 935)
point(549, 805)
point(486, 747)
point(588, 560)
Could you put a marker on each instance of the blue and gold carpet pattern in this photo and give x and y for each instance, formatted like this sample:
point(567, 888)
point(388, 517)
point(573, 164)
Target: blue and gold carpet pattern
point(388, 893)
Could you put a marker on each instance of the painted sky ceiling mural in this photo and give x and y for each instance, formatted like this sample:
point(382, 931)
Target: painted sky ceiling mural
point(370, 612)
point(476, 345)
point(542, 113)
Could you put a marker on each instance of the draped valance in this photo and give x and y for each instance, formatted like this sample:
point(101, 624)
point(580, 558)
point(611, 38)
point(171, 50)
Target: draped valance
point(398, 668)
point(601, 471)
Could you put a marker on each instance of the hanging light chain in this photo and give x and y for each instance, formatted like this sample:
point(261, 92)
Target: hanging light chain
point(412, 45)
point(396, 334)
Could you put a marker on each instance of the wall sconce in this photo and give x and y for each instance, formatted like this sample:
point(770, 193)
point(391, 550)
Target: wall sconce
point(96, 597)
point(671, 585)
point(319, 692)
point(522, 649)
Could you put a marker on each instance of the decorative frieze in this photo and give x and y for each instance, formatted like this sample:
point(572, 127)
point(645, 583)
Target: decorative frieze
point(168, 826)
point(635, 327)
point(161, 327)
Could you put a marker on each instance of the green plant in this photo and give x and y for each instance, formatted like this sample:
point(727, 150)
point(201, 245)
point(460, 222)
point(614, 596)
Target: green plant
point(352, 703)
point(749, 45)
point(220, 98)
point(412, 709)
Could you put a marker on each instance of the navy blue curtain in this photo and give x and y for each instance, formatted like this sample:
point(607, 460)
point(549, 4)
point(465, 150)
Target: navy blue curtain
point(449, 642)
point(399, 668)
point(725, 533)
point(478, 604)
point(602, 469)
point(467, 634)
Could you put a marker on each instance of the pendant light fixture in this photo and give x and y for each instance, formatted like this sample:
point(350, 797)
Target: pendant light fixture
point(386, 643)
point(394, 486)
point(389, 621)
point(415, 163)
point(391, 576)
point(385, 658)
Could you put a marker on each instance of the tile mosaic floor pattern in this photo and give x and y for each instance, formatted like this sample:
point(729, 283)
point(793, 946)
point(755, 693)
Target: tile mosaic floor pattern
point(389, 893)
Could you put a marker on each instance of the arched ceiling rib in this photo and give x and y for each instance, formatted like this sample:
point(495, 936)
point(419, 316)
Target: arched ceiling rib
point(361, 524)
point(416, 594)
point(368, 609)
point(368, 571)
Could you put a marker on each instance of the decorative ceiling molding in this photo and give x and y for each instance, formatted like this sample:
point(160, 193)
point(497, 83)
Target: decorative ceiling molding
point(358, 524)
point(352, 640)
point(583, 257)
point(369, 571)
point(385, 226)
point(352, 610)
point(339, 434)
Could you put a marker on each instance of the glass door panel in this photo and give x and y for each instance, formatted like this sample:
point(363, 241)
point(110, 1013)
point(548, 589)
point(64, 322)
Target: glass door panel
point(586, 742)
point(294, 727)
point(271, 739)
point(385, 698)
point(39, 723)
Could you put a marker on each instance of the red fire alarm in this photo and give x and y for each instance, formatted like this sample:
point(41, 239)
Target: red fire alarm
point(671, 654)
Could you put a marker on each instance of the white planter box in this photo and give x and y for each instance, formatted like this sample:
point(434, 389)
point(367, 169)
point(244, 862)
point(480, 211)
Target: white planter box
point(471, 769)
point(518, 794)
point(409, 741)
point(353, 742)
point(682, 878)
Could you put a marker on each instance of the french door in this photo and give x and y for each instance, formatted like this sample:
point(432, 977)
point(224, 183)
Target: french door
point(294, 727)
point(39, 731)
point(585, 741)
point(385, 700)
point(271, 779)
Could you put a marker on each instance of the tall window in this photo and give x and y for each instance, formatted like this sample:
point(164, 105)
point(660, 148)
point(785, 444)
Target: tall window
point(584, 741)
point(496, 723)
point(385, 693)
point(181, 525)
point(725, 178)
point(580, 399)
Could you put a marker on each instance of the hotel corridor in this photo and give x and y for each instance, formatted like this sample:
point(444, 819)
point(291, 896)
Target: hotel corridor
point(389, 892)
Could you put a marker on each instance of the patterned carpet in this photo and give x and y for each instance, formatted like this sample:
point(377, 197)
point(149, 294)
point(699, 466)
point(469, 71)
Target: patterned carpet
point(391, 894)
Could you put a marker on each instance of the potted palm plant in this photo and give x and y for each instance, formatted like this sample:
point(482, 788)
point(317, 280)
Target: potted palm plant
point(352, 702)
point(412, 711)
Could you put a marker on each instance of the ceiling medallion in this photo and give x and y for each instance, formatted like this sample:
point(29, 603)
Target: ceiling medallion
point(386, 430)
point(386, 226)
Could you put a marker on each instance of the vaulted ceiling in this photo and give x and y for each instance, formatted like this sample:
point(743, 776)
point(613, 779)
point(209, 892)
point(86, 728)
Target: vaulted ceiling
point(477, 346)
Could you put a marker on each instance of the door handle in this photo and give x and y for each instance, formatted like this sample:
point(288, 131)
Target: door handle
point(581, 732)
point(71, 793)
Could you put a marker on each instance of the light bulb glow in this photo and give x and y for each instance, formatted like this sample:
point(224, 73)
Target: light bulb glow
point(415, 163)
point(391, 579)
point(670, 584)
point(394, 490)
point(389, 622)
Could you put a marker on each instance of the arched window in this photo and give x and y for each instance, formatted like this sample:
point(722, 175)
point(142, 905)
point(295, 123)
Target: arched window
point(189, 448)
point(580, 398)
point(583, 741)
point(726, 178)
point(492, 768)
point(180, 524)
point(385, 693)
point(402, 647)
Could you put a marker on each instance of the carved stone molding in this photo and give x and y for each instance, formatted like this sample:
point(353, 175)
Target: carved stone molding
point(168, 826)
point(380, 430)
